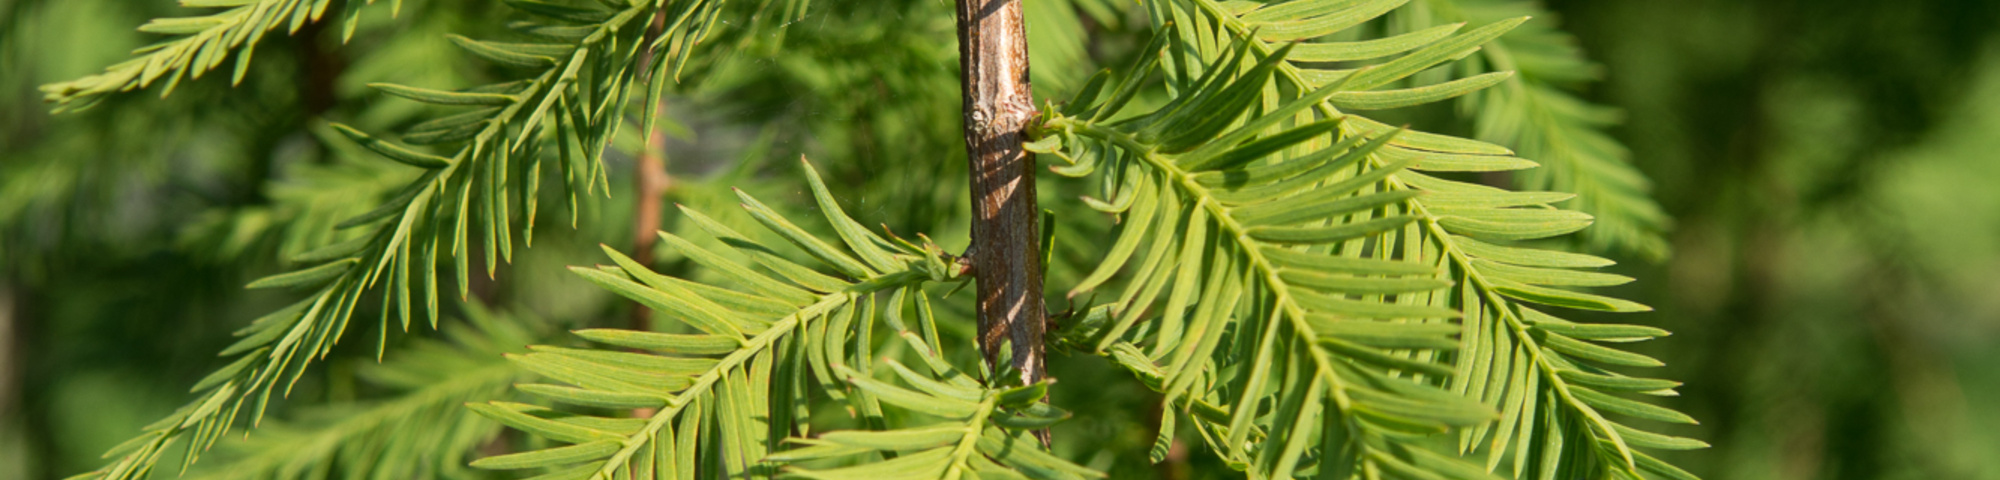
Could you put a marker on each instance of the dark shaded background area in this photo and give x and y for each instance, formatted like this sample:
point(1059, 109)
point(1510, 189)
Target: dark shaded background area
point(1833, 169)
point(1830, 167)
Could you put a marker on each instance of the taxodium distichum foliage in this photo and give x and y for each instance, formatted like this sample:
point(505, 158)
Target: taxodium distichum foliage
point(1248, 230)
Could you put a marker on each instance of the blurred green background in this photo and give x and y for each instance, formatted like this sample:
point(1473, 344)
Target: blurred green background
point(1834, 287)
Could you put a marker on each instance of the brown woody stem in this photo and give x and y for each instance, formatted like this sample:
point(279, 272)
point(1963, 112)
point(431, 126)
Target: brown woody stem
point(993, 61)
point(649, 183)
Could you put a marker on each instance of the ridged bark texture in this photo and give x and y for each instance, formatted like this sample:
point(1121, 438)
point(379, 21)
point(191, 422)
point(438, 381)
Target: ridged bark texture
point(1006, 263)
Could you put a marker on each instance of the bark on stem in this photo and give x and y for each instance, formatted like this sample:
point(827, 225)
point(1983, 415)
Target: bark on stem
point(650, 183)
point(993, 62)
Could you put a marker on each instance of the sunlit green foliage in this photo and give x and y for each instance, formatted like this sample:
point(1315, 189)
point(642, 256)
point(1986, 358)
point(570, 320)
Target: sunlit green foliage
point(1307, 238)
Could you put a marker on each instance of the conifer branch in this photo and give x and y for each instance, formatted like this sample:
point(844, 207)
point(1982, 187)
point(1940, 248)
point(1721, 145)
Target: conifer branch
point(203, 43)
point(421, 432)
point(1327, 235)
point(722, 400)
point(585, 75)
point(1535, 114)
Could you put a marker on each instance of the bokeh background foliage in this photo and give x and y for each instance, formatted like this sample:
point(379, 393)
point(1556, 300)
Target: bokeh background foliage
point(1828, 269)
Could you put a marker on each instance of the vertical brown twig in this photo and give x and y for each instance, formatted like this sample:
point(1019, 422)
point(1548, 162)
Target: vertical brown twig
point(993, 61)
point(649, 182)
point(650, 189)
